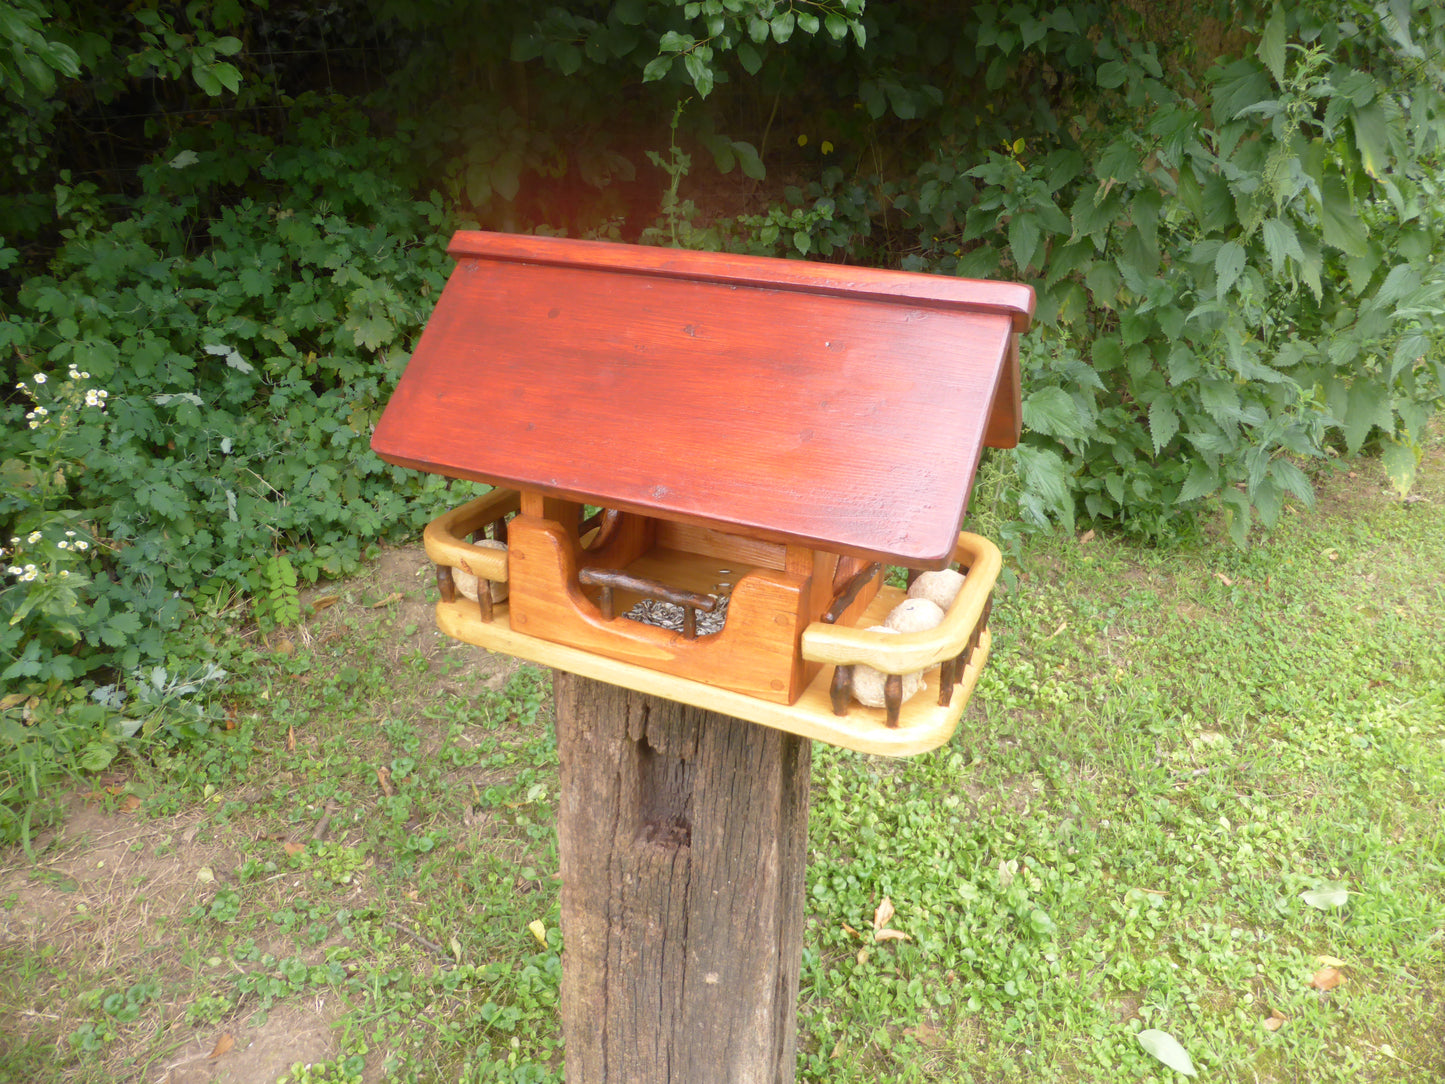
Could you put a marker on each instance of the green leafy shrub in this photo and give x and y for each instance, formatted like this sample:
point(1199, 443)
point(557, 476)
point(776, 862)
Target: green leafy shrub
point(1224, 286)
point(243, 369)
point(48, 558)
point(64, 66)
point(685, 44)
point(1234, 260)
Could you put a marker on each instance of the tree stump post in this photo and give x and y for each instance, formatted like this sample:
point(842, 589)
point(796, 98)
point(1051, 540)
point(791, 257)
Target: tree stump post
point(683, 837)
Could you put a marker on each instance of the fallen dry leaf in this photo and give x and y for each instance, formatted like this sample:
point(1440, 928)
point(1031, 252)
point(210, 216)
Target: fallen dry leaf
point(883, 914)
point(850, 930)
point(1222, 578)
point(12, 700)
point(383, 779)
point(323, 602)
point(223, 1045)
point(1330, 961)
point(890, 935)
point(881, 917)
point(539, 931)
point(290, 738)
point(395, 596)
point(131, 804)
point(863, 955)
point(1087, 536)
point(1327, 978)
point(1274, 1021)
point(291, 847)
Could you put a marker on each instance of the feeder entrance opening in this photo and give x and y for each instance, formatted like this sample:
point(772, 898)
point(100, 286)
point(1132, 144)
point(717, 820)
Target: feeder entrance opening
point(666, 588)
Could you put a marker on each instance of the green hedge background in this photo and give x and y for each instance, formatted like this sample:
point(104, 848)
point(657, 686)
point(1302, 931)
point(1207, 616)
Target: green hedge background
point(223, 226)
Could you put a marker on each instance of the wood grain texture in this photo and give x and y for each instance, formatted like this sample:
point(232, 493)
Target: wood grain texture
point(1014, 300)
point(924, 725)
point(683, 839)
point(756, 652)
point(1006, 416)
point(444, 536)
point(843, 644)
point(726, 547)
point(841, 408)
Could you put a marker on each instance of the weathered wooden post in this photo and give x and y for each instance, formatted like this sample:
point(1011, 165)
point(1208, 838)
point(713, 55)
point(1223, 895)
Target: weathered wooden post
point(684, 840)
point(702, 464)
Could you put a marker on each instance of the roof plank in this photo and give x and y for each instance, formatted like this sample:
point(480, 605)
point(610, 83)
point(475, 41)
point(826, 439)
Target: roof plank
point(840, 407)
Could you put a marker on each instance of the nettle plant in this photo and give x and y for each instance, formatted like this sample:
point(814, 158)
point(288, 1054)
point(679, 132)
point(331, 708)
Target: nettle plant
point(1231, 279)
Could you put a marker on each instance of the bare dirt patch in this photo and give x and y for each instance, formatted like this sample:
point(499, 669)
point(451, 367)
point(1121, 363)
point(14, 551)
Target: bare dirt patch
point(114, 893)
point(296, 1033)
point(105, 900)
point(106, 880)
point(392, 594)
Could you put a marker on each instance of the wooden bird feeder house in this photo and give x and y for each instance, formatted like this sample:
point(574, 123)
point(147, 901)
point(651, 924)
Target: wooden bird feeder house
point(705, 463)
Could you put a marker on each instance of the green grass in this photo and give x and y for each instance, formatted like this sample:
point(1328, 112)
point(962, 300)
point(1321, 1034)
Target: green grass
point(1166, 750)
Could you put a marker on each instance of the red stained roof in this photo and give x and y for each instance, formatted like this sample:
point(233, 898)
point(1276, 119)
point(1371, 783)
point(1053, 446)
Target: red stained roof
point(840, 407)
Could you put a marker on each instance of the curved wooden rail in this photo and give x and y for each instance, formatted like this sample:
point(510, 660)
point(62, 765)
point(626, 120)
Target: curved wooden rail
point(607, 523)
point(446, 546)
point(908, 652)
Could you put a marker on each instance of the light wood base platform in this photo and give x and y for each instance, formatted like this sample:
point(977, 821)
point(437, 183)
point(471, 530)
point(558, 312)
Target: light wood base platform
point(923, 724)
